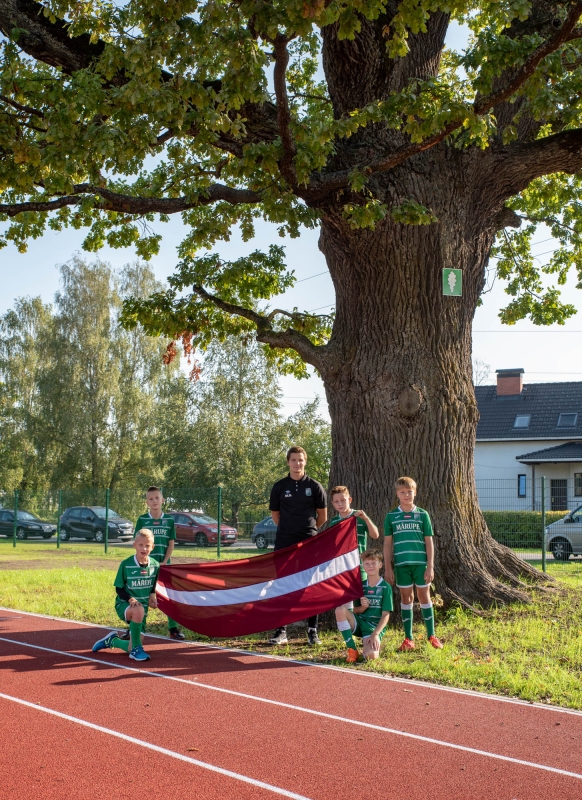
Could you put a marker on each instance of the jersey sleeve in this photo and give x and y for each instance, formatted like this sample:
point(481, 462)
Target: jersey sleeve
point(321, 497)
point(119, 581)
point(138, 525)
point(387, 602)
point(427, 525)
point(172, 529)
point(274, 502)
point(387, 526)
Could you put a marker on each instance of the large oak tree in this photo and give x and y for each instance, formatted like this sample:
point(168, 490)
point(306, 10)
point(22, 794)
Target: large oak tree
point(409, 157)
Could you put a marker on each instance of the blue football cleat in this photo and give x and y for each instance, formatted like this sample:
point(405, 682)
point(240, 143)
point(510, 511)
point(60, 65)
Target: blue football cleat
point(139, 654)
point(104, 642)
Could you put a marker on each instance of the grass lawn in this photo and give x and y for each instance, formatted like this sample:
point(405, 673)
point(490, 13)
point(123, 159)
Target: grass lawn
point(533, 652)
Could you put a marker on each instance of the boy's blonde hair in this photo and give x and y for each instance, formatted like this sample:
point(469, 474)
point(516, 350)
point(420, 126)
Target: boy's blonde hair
point(410, 483)
point(147, 534)
point(340, 490)
point(372, 553)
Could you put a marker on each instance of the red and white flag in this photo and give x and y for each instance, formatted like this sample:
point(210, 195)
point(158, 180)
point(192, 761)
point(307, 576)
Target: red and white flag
point(234, 598)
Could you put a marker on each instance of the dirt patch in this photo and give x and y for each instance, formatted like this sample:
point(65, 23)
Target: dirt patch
point(82, 563)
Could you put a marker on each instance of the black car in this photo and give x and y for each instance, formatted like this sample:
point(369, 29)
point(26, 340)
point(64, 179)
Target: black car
point(88, 522)
point(263, 533)
point(27, 524)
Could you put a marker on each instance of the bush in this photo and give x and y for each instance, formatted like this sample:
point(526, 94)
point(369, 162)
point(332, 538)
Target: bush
point(519, 528)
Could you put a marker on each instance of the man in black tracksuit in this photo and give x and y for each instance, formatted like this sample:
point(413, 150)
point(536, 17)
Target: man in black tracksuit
point(298, 506)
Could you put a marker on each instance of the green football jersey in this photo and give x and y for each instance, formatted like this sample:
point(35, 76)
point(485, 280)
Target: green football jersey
point(380, 598)
point(163, 530)
point(138, 580)
point(408, 529)
point(361, 529)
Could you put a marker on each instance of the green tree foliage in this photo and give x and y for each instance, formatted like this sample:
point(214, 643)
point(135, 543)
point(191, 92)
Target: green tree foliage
point(113, 115)
point(79, 393)
point(228, 429)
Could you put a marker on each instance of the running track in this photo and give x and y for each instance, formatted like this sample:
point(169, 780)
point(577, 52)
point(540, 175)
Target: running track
point(206, 722)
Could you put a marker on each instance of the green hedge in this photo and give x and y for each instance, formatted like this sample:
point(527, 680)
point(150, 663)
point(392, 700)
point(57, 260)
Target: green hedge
point(519, 528)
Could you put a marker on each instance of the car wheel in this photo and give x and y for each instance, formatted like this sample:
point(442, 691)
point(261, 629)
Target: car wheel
point(201, 540)
point(64, 535)
point(261, 541)
point(99, 536)
point(20, 533)
point(561, 549)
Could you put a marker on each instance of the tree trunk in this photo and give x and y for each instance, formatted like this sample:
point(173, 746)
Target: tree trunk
point(398, 377)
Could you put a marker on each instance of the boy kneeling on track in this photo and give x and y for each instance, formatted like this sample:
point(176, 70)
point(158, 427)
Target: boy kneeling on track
point(369, 619)
point(135, 586)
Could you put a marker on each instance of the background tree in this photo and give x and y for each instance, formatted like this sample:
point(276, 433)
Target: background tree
point(410, 158)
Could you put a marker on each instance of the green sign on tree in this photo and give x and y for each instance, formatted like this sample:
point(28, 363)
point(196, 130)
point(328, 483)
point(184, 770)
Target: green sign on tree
point(453, 282)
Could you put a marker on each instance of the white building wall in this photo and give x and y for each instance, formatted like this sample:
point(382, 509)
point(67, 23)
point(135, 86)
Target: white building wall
point(497, 470)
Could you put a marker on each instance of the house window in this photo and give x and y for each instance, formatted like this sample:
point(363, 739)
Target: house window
point(522, 421)
point(521, 486)
point(567, 420)
point(578, 484)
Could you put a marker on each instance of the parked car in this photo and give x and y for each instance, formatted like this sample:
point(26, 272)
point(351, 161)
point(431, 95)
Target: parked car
point(27, 524)
point(263, 533)
point(88, 522)
point(564, 537)
point(197, 528)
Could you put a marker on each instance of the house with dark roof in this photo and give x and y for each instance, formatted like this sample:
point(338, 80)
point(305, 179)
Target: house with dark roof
point(526, 431)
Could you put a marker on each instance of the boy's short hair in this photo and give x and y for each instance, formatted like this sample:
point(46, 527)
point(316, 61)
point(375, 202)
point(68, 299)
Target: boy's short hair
point(153, 489)
point(147, 534)
point(295, 449)
point(373, 553)
point(340, 490)
point(409, 483)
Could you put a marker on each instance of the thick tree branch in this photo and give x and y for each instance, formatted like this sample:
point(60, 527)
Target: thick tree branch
point(129, 204)
point(292, 339)
point(286, 164)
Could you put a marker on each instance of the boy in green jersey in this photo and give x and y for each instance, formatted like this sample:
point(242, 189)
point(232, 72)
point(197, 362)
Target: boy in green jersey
point(342, 504)
point(135, 586)
point(408, 537)
point(163, 527)
point(369, 619)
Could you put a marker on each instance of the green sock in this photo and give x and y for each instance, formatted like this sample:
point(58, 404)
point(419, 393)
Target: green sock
point(135, 634)
point(348, 639)
point(123, 644)
point(172, 624)
point(428, 617)
point(407, 620)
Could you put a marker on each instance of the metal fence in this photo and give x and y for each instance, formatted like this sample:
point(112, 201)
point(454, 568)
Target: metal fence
point(516, 513)
point(36, 515)
point(540, 519)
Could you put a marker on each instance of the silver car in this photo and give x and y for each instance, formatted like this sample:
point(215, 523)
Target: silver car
point(564, 537)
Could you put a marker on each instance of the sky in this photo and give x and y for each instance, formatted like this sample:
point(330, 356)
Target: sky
point(547, 354)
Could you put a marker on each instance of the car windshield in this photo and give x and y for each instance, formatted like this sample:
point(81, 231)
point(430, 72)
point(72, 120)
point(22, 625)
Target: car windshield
point(100, 512)
point(204, 519)
point(26, 515)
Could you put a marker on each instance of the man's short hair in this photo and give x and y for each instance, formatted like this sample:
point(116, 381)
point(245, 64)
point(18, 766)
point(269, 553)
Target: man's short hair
point(295, 449)
point(340, 490)
point(409, 483)
point(153, 489)
point(373, 553)
point(147, 534)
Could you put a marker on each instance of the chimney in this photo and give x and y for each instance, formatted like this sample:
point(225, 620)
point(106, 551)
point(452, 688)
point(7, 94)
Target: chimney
point(509, 381)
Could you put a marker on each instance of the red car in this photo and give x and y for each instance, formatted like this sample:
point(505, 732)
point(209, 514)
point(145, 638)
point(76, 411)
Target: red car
point(194, 527)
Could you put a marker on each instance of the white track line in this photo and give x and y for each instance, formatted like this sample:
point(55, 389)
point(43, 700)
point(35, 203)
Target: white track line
point(301, 709)
point(332, 667)
point(156, 748)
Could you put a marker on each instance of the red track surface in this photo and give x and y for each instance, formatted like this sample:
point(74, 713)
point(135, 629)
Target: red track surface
point(208, 705)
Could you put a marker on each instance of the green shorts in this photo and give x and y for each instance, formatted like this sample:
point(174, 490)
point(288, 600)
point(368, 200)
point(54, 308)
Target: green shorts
point(363, 628)
point(122, 607)
point(409, 575)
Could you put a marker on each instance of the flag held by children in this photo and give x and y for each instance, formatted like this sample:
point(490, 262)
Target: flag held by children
point(250, 595)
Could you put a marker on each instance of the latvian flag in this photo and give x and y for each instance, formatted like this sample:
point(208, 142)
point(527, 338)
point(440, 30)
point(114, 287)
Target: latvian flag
point(234, 598)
